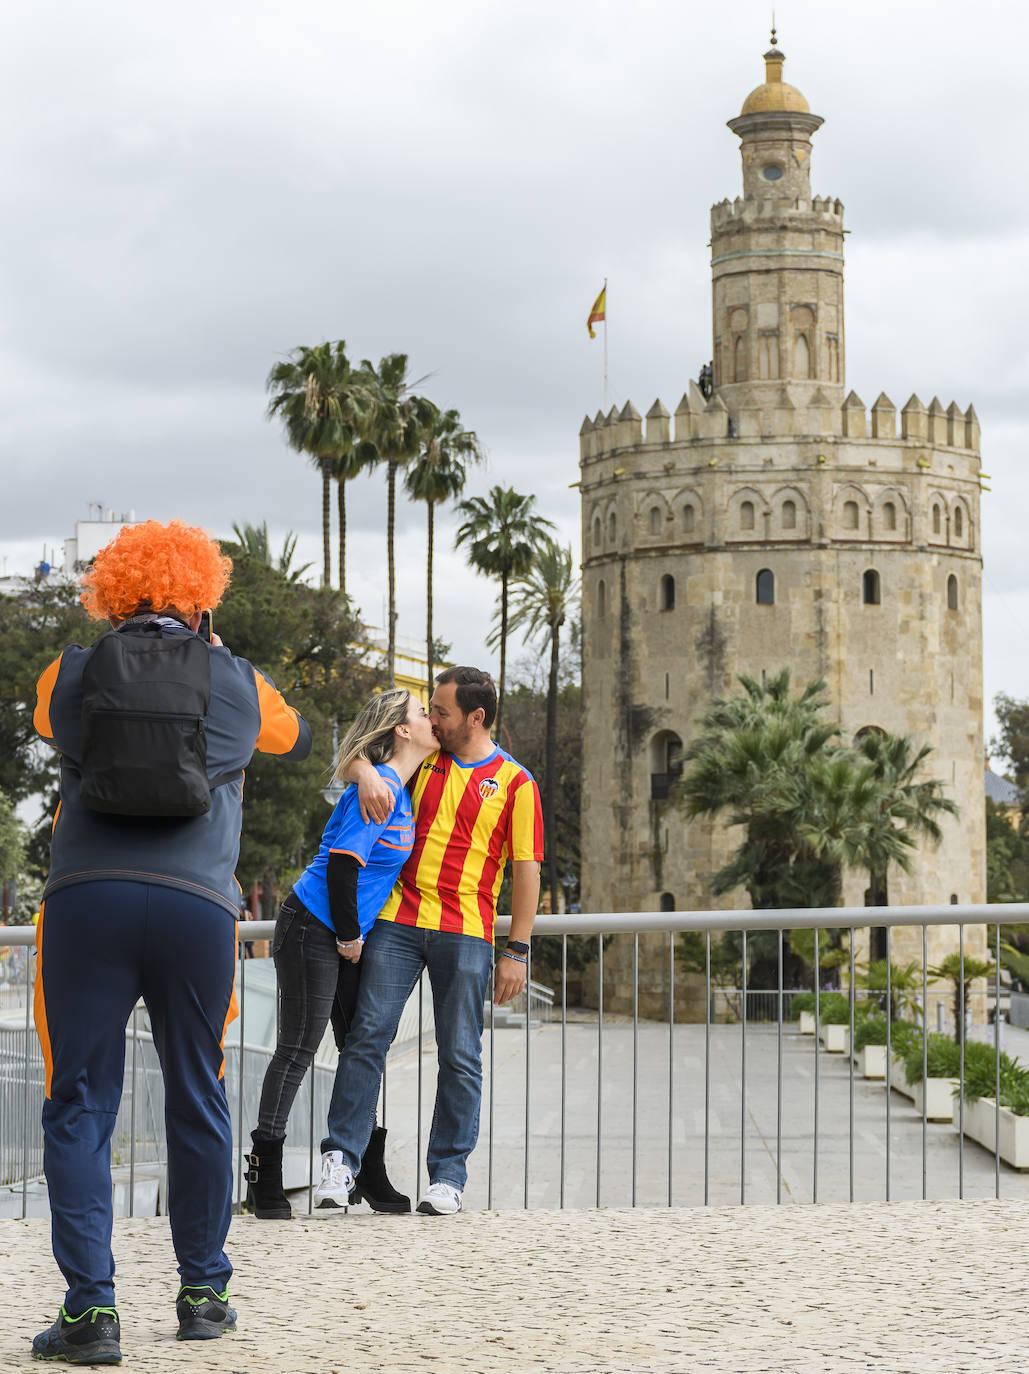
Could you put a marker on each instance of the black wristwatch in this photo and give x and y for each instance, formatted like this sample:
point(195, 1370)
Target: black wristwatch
point(518, 946)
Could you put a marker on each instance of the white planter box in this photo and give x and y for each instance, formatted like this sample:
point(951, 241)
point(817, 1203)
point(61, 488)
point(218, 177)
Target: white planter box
point(980, 1126)
point(807, 1023)
point(939, 1098)
point(835, 1038)
point(871, 1061)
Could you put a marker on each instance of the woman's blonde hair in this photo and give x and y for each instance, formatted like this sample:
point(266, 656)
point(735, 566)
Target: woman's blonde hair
point(371, 736)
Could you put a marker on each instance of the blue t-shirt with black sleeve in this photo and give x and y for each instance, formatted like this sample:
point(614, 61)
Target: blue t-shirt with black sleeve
point(380, 850)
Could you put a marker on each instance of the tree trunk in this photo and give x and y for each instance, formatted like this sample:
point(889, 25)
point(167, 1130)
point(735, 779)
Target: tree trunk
point(326, 522)
point(341, 506)
point(391, 615)
point(428, 602)
point(550, 814)
point(503, 654)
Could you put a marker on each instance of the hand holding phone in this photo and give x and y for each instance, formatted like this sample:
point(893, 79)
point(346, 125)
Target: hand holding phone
point(204, 629)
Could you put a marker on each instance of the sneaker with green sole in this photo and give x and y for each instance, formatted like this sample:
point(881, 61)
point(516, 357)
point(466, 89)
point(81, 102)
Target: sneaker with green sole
point(93, 1337)
point(203, 1314)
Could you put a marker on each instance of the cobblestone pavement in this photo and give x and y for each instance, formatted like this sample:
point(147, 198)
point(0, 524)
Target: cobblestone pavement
point(901, 1287)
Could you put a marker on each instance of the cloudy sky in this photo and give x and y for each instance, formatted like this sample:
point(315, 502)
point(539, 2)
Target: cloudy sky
point(193, 190)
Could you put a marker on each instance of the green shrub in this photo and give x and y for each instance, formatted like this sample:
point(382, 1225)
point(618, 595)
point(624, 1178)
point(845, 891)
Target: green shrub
point(904, 1034)
point(981, 1077)
point(802, 1001)
point(942, 1058)
point(833, 1007)
point(871, 1030)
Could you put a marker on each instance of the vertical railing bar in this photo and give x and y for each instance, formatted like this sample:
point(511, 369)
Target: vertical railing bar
point(310, 1139)
point(889, 1054)
point(850, 1144)
point(492, 1080)
point(564, 1058)
point(242, 949)
point(743, 1083)
point(925, 1065)
point(818, 1036)
point(671, 1054)
point(600, 1053)
point(132, 1116)
point(418, 1134)
point(25, 1086)
point(996, 1044)
point(707, 1065)
point(959, 1031)
point(778, 1081)
point(635, 1053)
point(528, 1109)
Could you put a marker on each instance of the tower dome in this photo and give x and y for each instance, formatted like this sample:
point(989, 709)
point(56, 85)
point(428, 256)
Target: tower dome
point(774, 93)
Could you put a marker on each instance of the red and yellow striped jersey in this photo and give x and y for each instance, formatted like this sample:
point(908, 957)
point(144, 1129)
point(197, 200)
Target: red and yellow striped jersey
point(469, 820)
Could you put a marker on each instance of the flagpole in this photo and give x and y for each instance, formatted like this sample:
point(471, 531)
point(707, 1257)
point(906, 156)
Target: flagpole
point(605, 345)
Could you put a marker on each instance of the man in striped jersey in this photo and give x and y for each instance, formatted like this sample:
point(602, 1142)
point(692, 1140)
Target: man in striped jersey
point(475, 808)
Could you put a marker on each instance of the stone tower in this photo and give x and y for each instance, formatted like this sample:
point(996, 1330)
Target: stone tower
point(776, 521)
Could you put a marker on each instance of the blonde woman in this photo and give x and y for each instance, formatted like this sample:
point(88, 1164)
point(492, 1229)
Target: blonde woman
point(318, 939)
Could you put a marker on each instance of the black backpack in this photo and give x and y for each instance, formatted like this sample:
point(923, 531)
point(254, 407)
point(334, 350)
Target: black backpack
point(145, 699)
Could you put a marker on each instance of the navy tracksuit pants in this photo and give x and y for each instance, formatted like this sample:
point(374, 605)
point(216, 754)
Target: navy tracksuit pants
point(102, 946)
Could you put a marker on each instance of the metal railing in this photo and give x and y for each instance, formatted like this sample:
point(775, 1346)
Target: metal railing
point(607, 1114)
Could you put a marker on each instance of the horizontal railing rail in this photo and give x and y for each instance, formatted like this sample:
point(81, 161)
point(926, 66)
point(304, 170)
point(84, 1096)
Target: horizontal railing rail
point(575, 1105)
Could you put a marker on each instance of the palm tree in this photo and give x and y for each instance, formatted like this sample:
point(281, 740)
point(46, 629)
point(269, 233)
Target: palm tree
point(253, 540)
point(322, 401)
point(394, 428)
point(960, 976)
point(439, 474)
point(541, 602)
point(502, 532)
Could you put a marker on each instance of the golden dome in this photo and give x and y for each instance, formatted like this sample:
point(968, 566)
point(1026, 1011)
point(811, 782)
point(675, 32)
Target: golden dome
point(774, 93)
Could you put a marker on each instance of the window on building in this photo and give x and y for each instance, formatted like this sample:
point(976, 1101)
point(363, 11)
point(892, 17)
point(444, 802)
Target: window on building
point(689, 519)
point(601, 599)
point(740, 358)
point(889, 516)
point(959, 523)
point(801, 355)
point(850, 515)
point(612, 527)
point(871, 588)
point(834, 357)
point(765, 587)
point(768, 356)
point(789, 515)
point(655, 520)
point(936, 519)
point(952, 593)
point(666, 593)
point(667, 901)
point(746, 515)
point(598, 532)
point(665, 763)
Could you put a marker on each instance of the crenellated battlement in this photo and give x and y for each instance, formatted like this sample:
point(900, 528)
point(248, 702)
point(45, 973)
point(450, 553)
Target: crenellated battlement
point(740, 211)
point(703, 418)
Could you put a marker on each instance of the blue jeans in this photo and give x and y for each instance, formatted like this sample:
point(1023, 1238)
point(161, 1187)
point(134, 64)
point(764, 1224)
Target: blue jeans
point(459, 970)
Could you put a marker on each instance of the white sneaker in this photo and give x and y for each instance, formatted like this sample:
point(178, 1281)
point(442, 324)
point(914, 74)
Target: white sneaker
point(440, 1200)
point(337, 1181)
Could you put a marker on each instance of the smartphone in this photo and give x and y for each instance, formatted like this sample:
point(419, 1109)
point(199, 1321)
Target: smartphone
point(205, 626)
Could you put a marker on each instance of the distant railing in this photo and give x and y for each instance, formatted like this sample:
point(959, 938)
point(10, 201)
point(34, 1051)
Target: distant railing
point(686, 1113)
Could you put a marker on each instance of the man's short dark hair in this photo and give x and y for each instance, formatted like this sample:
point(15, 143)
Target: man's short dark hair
point(475, 691)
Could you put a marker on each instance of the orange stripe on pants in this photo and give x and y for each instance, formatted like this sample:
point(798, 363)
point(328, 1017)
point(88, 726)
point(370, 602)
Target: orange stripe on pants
point(39, 1005)
point(233, 1010)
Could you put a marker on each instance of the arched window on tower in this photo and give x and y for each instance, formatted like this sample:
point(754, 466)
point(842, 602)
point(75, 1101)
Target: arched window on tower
point(665, 763)
point(889, 516)
point(598, 532)
point(768, 356)
point(802, 355)
point(666, 593)
point(655, 520)
point(834, 357)
point(612, 528)
point(952, 593)
point(601, 599)
point(850, 515)
point(937, 518)
point(765, 587)
point(739, 354)
point(789, 515)
point(959, 523)
point(870, 588)
point(746, 515)
point(667, 901)
point(689, 519)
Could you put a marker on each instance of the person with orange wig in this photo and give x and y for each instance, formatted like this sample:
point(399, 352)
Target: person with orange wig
point(155, 725)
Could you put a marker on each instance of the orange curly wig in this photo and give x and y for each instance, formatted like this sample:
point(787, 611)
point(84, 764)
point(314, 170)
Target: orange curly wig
point(159, 567)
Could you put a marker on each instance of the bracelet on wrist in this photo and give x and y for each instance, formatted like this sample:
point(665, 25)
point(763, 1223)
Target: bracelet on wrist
point(518, 958)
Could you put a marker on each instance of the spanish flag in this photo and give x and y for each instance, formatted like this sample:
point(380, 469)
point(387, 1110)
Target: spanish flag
point(599, 312)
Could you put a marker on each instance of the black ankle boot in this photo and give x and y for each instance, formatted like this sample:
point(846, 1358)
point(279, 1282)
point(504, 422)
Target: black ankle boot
point(373, 1185)
point(265, 1197)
